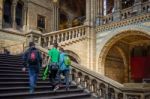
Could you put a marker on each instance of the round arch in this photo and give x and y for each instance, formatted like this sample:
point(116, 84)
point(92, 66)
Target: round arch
point(115, 36)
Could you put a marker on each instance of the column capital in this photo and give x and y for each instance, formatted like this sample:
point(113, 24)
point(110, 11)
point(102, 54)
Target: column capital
point(14, 3)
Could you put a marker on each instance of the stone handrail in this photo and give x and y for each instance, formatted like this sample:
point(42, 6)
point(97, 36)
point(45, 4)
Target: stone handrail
point(102, 86)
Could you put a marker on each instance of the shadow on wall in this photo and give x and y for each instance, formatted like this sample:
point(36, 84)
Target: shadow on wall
point(73, 56)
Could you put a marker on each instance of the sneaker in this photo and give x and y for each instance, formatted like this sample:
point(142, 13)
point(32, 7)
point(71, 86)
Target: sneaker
point(31, 91)
point(67, 89)
point(56, 88)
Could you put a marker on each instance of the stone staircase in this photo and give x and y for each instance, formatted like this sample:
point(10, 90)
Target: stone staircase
point(14, 83)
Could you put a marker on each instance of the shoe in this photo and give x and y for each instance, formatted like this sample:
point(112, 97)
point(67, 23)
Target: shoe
point(56, 88)
point(31, 91)
point(67, 89)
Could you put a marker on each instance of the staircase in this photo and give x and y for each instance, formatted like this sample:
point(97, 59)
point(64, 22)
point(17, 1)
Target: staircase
point(14, 83)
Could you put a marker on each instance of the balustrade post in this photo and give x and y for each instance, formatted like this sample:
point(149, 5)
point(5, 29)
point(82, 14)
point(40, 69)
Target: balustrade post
point(49, 41)
point(62, 37)
point(65, 36)
point(79, 33)
point(58, 37)
point(39, 40)
point(54, 38)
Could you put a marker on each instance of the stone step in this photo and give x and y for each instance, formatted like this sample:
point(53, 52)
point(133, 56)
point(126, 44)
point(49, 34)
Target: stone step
point(26, 95)
point(14, 84)
point(26, 88)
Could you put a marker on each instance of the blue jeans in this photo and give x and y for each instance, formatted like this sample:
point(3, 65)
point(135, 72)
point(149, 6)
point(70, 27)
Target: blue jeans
point(66, 74)
point(33, 75)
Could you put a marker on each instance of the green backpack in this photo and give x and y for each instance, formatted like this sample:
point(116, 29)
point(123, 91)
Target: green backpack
point(67, 61)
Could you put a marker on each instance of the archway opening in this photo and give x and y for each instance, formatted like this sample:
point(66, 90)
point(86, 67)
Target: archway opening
point(63, 21)
point(127, 59)
point(75, 10)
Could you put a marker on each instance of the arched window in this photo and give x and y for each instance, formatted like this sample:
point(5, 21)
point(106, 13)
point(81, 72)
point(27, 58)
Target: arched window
point(7, 13)
point(19, 13)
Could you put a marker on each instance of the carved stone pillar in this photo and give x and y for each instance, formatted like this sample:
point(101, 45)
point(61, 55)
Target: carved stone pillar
point(90, 32)
point(55, 15)
point(24, 19)
point(14, 14)
point(137, 8)
point(101, 11)
point(117, 9)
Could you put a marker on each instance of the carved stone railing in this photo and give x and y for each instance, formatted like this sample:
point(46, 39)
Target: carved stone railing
point(133, 20)
point(62, 36)
point(101, 86)
point(135, 10)
point(108, 18)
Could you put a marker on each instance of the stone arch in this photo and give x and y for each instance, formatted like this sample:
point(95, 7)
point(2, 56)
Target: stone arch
point(74, 57)
point(113, 37)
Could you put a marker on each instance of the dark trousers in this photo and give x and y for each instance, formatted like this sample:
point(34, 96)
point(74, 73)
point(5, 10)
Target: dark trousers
point(66, 74)
point(53, 77)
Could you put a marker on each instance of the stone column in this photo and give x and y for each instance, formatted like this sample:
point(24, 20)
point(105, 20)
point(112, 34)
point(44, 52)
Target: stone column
point(55, 16)
point(117, 9)
point(137, 7)
point(1, 13)
point(90, 33)
point(24, 19)
point(88, 11)
point(101, 11)
point(14, 14)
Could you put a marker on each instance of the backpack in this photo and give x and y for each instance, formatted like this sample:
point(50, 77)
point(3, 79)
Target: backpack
point(32, 57)
point(67, 61)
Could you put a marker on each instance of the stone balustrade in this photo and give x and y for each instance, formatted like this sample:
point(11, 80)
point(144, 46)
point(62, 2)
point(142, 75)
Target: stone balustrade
point(62, 36)
point(133, 20)
point(101, 86)
point(128, 13)
point(108, 18)
point(146, 7)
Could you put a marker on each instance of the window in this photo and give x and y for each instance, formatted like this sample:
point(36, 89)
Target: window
point(41, 23)
point(7, 11)
point(19, 11)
